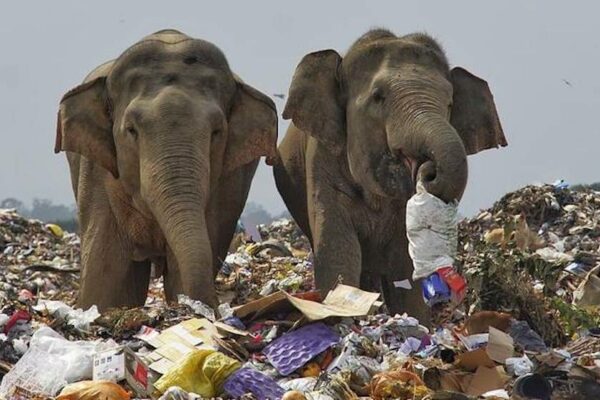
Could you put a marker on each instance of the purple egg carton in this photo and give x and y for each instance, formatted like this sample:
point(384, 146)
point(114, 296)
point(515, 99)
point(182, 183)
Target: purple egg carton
point(294, 349)
point(249, 380)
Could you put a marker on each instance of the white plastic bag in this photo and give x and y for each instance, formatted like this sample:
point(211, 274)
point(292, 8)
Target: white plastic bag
point(50, 363)
point(197, 306)
point(76, 357)
point(432, 231)
point(75, 317)
point(36, 372)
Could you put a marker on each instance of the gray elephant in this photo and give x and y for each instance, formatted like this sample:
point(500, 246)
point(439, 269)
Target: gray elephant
point(364, 129)
point(162, 144)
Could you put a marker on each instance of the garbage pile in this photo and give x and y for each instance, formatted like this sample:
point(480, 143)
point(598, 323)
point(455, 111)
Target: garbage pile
point(281, 261)
point(535, 254)
point(287, 231)
point(529, 329)
point(36, 258)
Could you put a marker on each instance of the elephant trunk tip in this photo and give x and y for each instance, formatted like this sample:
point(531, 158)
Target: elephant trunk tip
point(445, 182)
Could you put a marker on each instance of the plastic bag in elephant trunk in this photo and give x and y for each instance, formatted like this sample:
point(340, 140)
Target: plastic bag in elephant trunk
point(202, 372)
point(432, 231)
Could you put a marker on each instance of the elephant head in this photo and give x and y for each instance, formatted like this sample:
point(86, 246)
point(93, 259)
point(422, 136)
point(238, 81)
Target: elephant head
point(397, 112)
point(168, 119)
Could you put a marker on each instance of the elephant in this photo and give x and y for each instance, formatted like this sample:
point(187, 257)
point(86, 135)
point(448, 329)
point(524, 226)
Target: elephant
point(162, 145)
point(365, 128)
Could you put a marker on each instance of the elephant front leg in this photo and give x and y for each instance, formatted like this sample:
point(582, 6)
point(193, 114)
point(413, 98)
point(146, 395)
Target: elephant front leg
point(395, 274)
point(337, 251)
point(109, 277)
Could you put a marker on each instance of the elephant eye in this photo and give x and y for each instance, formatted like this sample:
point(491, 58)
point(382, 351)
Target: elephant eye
point(378, 95)
point(131, 130)
point(216, 132)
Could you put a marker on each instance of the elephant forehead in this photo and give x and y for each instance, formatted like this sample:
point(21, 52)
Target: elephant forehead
point(396, 52)
point(190, 53)
point(155, 64)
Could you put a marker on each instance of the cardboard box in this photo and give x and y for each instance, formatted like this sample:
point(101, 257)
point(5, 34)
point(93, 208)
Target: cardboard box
point(109, 365)
point(121, 363)
point(138, 374)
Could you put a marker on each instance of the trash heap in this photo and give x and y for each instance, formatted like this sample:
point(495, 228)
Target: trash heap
point(546, 282)
point(280, 261)
point(285, 231)
point(529, 329)
point(36, 258)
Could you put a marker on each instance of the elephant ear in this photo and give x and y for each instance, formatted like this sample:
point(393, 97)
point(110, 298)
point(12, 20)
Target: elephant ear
point(474, 114)
point(314, 102)
point(252, 128)
point(84, 125)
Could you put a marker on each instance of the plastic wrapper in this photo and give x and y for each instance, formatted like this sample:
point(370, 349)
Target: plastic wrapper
point(37, 372)
point(56, 230)
point(50, 363)
point(93, 390)
point(300, 384)
point(177, 393)
point(527, 338)
point(202, 372)
point(400, 384)
point(77, 318)
point(249, 380)
point(75, 357)
point(518, 366)
point(294, 349)
point(197, 306)
point(225, 310)
point(432, 231)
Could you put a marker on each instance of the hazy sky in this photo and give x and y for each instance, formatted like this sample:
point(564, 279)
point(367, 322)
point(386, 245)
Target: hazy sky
point(541, 59)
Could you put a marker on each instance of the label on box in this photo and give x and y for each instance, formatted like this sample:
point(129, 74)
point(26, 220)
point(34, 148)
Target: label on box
point(109, 365)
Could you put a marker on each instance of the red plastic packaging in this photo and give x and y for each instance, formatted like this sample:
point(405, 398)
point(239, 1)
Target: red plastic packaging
point(455, 281)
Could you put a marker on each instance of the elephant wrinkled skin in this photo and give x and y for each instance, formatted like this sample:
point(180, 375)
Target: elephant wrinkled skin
point(162, 144)
point(364, 129)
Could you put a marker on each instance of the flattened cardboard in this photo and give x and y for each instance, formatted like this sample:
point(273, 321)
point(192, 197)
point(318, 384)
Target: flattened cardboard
point(472, 360)
point(500, 345)
point(230, 329)
point(253, 307)
point(343, 301)
point(177, 341)
point(455, 381)
point(487, 379)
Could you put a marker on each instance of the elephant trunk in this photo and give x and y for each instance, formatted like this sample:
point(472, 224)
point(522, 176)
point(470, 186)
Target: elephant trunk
point(435, 147)
point(175, 184)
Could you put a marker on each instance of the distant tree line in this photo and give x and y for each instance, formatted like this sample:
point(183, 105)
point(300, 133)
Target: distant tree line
point(66, 216)
point(45, 210)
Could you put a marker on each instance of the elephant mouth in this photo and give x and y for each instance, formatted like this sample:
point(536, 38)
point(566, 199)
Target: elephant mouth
point(411, 164)
point(396, 175)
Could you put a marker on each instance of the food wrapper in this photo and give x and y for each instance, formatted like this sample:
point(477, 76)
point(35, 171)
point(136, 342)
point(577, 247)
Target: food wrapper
point(93, 390)
point(202, 372)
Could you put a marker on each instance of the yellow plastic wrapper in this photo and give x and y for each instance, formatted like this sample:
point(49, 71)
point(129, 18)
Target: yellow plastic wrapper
point(202, 372)
point(56, 230)
point(93, 390)
point(399, 384)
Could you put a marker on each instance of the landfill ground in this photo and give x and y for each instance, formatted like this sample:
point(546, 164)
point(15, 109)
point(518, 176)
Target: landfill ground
point(529, 326)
